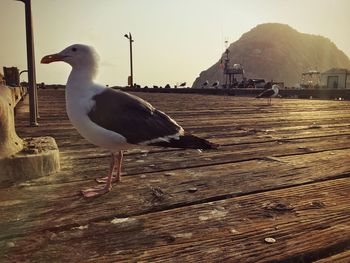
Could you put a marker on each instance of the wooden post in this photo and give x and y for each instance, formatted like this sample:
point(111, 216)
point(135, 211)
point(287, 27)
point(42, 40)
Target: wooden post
point(10, 143)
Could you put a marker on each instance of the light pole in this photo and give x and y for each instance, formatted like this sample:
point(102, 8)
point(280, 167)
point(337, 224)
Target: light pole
point(131, 80)
point(33, 95)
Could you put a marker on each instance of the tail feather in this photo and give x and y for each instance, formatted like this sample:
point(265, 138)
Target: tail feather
point(187, 141)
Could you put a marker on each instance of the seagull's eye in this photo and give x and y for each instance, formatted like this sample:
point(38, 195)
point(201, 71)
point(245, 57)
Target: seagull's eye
point(74, 49)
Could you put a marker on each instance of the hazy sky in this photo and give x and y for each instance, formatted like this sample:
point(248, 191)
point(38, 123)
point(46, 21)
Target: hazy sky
point(174, 39)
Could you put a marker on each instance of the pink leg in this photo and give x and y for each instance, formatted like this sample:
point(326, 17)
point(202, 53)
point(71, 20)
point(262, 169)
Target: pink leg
point(116, 169)
point(98, 191)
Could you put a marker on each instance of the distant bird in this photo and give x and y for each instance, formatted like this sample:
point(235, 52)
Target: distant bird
point(269, 93)
point(183, 84)
point(205, 84)
point(237, 66)
point(215, 84)
point(112, 119)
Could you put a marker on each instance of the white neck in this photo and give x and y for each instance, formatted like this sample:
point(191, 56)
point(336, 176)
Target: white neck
point(81, 76)
point(78, 81)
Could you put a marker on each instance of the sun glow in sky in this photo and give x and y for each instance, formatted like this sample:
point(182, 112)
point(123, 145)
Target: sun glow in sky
point(174, 40)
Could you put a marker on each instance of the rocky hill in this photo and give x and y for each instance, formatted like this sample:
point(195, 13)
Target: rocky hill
point(278, 52)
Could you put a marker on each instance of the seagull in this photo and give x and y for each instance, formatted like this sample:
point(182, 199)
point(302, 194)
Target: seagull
point(269, 93)
point(114, 120)
point(215, 84)
point(205, 84)
point(183, 84)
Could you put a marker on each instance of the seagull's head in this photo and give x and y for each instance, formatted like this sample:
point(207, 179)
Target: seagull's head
point(275, 87)
point(77, 55)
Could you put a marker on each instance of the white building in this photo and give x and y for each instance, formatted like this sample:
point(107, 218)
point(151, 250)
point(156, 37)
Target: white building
point(335, 78)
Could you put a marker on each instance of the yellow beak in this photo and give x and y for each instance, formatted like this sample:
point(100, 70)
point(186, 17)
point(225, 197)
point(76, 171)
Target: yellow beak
point(52, 58)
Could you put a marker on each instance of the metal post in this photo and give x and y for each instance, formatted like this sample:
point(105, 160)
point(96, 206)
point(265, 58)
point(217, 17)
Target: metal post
point(131, 70)
point(131, 63)
point(227, 60)
point(33, 104)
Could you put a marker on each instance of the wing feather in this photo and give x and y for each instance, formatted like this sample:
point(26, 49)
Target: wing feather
point(132, 117)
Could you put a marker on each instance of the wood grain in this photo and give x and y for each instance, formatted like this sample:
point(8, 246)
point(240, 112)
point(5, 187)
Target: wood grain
point(282, 172)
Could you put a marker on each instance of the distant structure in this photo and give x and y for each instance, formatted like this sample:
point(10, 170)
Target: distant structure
point(231, 71)
point(310, 79)
point(335, 78)
point(259, 83)
point(256, 49)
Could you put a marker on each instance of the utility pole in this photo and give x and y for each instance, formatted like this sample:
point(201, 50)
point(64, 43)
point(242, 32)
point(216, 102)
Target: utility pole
point(33, 93)
point(131, 68)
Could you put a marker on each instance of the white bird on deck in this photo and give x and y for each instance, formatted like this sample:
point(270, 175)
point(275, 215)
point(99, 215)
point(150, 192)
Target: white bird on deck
point(269, 93)
point(205, 84)
point(215, 84)
point(112, 119)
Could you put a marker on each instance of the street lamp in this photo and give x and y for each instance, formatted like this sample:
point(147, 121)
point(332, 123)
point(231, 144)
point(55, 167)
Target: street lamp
point(131, 79)
point(33, 95)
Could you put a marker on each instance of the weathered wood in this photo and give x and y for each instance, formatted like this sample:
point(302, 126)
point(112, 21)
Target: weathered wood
point(10, 143)
point(159, 161)
point(232, 230)
point(282, 172)
point(63, 206)
point(342, 257)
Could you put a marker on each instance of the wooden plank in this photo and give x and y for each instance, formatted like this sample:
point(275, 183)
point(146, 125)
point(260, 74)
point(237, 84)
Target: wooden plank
point(306, 223)
point(239, 125)
point(24, 208)
point(222, 135)
point(343, 257)
point(238, 152)
point(160, 161)
point(294, 146)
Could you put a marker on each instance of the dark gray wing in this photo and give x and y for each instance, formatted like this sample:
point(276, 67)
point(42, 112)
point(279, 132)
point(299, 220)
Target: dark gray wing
point(266, 94)
point(130, 116)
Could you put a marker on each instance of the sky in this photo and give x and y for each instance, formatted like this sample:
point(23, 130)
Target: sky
point(174, 39)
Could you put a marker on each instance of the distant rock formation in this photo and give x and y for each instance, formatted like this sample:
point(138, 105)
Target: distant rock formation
point(280, 53)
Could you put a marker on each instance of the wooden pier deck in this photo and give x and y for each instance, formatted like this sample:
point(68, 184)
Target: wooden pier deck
point(278, 189)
